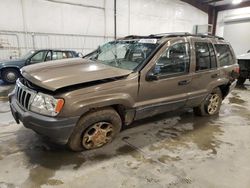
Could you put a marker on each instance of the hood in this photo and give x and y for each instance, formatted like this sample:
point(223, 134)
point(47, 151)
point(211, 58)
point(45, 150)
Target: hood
point(244, 56)
point(14, 62)
point(54, 75)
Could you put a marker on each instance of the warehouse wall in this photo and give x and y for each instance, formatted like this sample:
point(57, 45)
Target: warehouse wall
point(234, 25)
point(84, 24)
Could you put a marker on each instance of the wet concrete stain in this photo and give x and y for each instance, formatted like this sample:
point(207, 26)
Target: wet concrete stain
point(236, 100)
point(167, 158)
point(100, 157)
point(184, 131)
point(47, 162)
point(7, 185)
point(54, 182)
point(180, 182)
point(129, 150)
point(4, 91)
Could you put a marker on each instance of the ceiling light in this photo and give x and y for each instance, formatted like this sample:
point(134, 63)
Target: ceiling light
point(236, 2)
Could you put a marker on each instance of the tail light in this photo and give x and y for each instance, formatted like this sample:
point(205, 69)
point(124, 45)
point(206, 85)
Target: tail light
point(237, 69)
point(235, 72)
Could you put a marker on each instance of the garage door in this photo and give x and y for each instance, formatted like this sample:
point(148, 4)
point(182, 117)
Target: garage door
point(237, 33)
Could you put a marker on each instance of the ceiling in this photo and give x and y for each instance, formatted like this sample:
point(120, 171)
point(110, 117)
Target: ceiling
point(217, 2)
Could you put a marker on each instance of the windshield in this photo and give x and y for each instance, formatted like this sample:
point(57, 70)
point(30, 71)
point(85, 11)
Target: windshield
point(125, 54)
point(26, 56)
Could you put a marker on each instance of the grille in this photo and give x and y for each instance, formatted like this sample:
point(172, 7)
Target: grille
point(24, 95)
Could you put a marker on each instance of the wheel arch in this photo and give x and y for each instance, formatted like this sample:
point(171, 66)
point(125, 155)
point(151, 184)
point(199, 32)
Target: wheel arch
point(9, 67)
point(126, 114)
point(225, 88)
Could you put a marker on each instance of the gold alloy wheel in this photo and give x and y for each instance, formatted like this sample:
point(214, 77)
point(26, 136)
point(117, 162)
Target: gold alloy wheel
point(98, 135)
point(214, 103)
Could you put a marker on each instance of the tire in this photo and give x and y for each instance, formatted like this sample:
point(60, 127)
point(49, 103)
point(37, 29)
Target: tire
point(10, 75)
point(89, 131)
point(241, 81)
point(211, 105)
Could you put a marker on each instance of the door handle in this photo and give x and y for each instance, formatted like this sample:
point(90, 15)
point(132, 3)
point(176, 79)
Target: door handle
point(184, 82)
point(215, 75)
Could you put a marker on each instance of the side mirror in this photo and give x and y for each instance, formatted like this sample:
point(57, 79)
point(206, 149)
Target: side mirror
point(152, 76)
point(27, 61)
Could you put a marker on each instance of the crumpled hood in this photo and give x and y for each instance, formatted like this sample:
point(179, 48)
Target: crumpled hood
point(54, 75)
point(244, 56)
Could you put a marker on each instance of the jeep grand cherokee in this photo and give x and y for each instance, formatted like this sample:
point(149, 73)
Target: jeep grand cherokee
point(85, 103)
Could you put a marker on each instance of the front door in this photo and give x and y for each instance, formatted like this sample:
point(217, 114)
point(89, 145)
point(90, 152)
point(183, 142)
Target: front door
point(165, 79)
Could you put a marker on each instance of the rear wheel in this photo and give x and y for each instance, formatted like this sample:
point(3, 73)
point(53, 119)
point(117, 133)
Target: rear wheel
point(211, 105)
point(10, 75)
point(95, 130)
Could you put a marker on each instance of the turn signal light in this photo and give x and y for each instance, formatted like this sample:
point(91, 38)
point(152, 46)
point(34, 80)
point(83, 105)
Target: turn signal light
point(59, 105)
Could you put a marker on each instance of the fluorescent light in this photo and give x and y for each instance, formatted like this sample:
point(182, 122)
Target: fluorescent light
point(236, 2)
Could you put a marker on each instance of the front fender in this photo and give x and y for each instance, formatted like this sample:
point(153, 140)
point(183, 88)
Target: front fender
point(83, 105)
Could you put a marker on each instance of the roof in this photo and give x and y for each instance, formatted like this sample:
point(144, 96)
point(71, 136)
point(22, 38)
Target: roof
point(168, 35)
point(63, 50)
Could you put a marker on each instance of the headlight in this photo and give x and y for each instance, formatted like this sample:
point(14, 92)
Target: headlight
point(46, 104)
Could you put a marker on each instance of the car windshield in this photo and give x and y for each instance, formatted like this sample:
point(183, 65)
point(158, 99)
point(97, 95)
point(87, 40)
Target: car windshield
point(125, 54)
point(26, 56)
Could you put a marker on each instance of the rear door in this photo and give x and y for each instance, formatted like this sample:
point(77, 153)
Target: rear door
point(165, 80)
point(205, 71)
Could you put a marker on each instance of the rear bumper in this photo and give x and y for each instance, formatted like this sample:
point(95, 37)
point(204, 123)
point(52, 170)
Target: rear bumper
point(55, 129)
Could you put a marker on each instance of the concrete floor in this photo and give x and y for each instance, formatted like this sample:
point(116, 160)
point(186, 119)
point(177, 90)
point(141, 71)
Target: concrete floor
point(171, 150)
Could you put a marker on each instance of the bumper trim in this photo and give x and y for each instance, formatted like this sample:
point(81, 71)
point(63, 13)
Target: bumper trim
point(55, 129)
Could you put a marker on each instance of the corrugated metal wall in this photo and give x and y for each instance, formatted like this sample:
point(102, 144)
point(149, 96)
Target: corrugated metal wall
point(82, 25)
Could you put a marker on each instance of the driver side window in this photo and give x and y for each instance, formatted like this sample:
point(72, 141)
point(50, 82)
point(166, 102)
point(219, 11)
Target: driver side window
point(38, 57)
point(175, 60)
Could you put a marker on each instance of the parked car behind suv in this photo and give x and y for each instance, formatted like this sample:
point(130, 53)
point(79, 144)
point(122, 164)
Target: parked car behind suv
point(244, 63)
point(85, 103)
point(10, 69)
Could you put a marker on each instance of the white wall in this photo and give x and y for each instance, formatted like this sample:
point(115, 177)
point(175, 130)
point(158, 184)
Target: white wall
point(84, 24)
point(234, 26)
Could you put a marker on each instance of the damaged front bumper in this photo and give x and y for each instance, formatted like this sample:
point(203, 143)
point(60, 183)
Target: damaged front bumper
point(55, 129)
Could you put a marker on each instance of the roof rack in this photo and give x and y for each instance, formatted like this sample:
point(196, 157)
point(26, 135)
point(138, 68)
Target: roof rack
point(181, 34)
point(176, 34)
point(133, 37)
point(167, 35)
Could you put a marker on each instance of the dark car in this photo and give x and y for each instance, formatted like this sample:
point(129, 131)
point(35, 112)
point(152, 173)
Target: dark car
point(244, 63)
point(10, 69)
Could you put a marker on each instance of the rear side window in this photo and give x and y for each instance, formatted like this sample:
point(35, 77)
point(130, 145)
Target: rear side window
point(224, 54)
point(61, 55)
point(205, 56)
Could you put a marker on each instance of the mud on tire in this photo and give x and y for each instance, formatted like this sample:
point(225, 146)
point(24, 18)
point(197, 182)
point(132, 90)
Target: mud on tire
point(106, 118)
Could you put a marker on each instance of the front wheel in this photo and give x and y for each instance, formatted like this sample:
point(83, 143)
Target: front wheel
point(95, 130)
point(211, 105)
point(10, 75)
